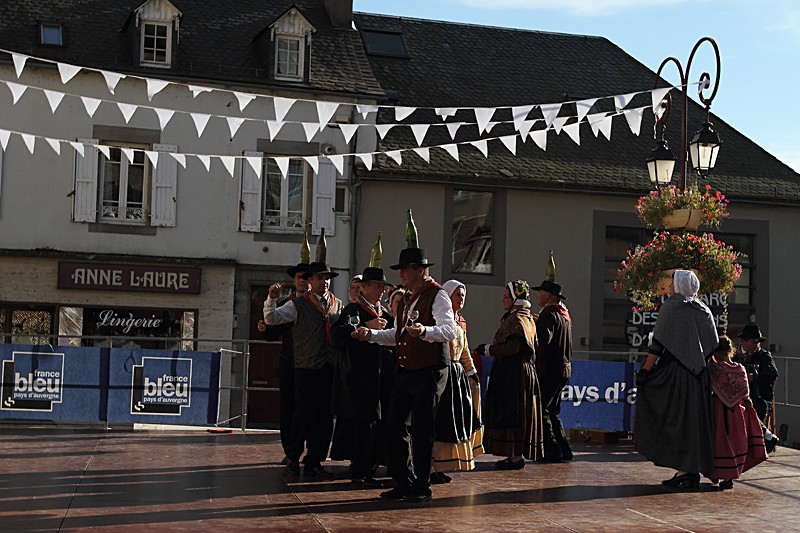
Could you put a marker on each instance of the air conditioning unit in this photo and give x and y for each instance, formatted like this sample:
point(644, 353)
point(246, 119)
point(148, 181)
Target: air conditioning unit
point(328, 149)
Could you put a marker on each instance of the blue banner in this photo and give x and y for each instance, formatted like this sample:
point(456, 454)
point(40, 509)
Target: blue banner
point(52, 383)
point(163, 386)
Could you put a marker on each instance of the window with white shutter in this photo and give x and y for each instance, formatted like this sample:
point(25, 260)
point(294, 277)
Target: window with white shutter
point(84, 199)
point(165, 185)
point(250, 196)
point(324, 215)
point(124, 184)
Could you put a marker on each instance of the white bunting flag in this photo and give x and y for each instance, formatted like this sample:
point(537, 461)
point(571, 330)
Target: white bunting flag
point(524, 128)
point(206, 160)
point(55, 144)
point(401, 112)
point(17, 91)
point(520, 114)
point(4, 136)
point(79, 147)
point(366, 109)
point(200, 121)
point(53, 98)
point(420, 130)
point(67, 72)
point(30, 141)
point(180, 158)
point(229, 162)
point(445, 112)
point(540, 138)
point(574, 132)
point(511, 143)
point(164, 116)
point(283, 165)
point(559, 122)
point(197, 90)
point(481, 145)
point(103, 149)
point(490, 126)
point(153, 157)
point(128, 153)
point(657, 95)
point(383, 129)
point(91, 105)
point(233, 124)
point(348, 130)
point(127, 110)
point(325, 111)
point(244, 99)
point(482, 116)
point(274, 128)
point(605, 126)
point(154, 87)
point(112, 79)
point(452, 129)
point(634, 118)
point(19, 63)
point(311, 129)
point(424, 153)
point(338, 162)
point(255, 163)
point(550, 112)
point(313, 162)
point(396, 155)
point(621, 100)
point(583, 107)
point(282, 107)
point(451, 149)
point(366, 159)
point(594, 121)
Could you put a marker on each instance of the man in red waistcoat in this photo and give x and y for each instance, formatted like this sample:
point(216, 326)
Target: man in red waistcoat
point(424, 328)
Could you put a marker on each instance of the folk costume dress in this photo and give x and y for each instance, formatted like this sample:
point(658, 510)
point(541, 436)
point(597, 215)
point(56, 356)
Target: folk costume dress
point(512, 413)
point(738, 437)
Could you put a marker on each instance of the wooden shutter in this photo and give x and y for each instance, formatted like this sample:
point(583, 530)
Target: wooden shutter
point(322, 211)
point(165, 186)
point(251, 188)
point(84, 199)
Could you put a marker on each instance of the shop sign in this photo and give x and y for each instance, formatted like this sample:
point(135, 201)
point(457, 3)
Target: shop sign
point(123, 277)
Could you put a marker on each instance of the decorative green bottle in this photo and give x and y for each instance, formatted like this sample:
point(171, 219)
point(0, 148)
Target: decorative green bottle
point(550, 270)
point(376, 254)
point(305, 250)
point(322, 247)
point(411, 232)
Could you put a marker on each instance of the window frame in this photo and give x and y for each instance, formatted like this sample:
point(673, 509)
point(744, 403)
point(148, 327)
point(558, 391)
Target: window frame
point(301, 63)
point(123, 186)
point(167, 63)
point(283, 214)
point(59, 27)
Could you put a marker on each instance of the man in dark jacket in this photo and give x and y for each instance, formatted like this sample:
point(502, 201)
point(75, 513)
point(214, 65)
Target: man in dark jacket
point(761, 372)
point(553, 366)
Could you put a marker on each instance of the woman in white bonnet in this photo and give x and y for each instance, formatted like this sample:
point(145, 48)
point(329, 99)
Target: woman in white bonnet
point(673, 425)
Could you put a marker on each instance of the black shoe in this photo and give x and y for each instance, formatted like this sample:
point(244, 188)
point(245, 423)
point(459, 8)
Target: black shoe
point(397, 493)
point(292, 467)
point(726, 484)
point(368, 482)
point(439, 478)
point(285, 460)
point(508, 464)
point(684, 481)
point(771, 443)
point(566, 455)
point(417, 497)
point(316, 471)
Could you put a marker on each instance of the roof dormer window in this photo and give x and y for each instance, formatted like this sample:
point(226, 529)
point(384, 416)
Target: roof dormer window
point(158, 23)
point(290, 38)
point(51, 34)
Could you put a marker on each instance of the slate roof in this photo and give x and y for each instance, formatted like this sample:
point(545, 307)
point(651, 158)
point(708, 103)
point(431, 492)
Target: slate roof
point(455, 65)
point(216, 41)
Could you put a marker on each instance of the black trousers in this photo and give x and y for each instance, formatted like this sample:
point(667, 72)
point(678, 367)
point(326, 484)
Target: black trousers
point(555, 439)
point(312, 423)
point(416, 395)
point(286, 377)
point(365, 453)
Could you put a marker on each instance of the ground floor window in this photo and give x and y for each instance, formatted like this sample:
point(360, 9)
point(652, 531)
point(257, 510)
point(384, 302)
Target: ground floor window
point(26, 324)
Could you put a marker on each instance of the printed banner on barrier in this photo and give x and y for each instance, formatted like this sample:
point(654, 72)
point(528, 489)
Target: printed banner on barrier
point(40, 383)
point(599, 395)
point(163, 386)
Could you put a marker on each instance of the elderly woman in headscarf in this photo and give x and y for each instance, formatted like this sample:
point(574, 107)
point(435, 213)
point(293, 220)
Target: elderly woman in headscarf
point(458, 428)
point(512, 413)
point(673, 425)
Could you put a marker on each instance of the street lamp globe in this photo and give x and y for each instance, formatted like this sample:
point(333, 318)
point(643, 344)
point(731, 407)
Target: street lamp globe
point(661, 163)
point(703, 148)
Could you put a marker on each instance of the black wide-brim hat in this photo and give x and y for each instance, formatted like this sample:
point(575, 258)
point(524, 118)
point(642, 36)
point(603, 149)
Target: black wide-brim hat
point(412, 256)
point(373, 274)
point(552, 287)
point(751, 331)
point(300, 267)
point(318, 267)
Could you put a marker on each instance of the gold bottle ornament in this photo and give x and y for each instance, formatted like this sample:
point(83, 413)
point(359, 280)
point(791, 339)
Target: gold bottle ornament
point(305, 250)
point(376, 254)
point(322, 247)
point(411, 232)
point(550, 270)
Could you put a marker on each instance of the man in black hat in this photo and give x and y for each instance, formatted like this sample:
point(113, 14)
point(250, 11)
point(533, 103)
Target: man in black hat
point(360, 399)
point(761, 372)
point(553, 366)
point(312, 316)
point(283, 333)
point(423, 330)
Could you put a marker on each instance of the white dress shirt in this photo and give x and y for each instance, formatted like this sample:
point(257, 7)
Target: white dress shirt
point(443, 331)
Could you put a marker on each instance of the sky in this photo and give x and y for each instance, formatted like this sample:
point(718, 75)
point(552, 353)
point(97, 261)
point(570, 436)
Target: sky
point(759, 42)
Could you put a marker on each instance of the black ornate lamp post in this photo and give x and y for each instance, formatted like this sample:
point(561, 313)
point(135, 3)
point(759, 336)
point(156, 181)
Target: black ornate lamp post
point(704, 146)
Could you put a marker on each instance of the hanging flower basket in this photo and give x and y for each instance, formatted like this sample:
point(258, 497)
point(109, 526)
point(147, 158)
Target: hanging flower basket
point(669, 207)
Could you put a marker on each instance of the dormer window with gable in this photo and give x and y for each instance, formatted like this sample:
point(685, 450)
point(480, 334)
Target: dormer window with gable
point(158, 24)
point(290, 38)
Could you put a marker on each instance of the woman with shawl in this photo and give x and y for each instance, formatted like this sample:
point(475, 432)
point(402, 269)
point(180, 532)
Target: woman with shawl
point(738, 438)
point(459, 436)
point(512, 414)
point(673, 399)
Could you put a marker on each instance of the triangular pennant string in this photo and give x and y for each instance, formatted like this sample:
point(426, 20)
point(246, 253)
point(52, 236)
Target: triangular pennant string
point(348, 130)
point(244, 99)
point(274, 128)
point(283, 165)
point(366, 110)
point(424, 153)
point(482, 116)
point(452, 129)
point(574, 132)
point(540, 138)
point(366, 159)
point(54, 144)
point(482, 145)
point(180, 158)
point(154, 87)
point(233, 124)
point(164, 116)
point(383, 129)
point(127, 110)
point(19, 63)
point(4, 136)
point(451, 149)
point(558, 123)
point(490, 126)
point(445, 112)
point(525, 127)
point(30, 141)
point(112, 80)
point(325, 110)
point(395, 155)
point(419, 131)
point(583, 107)
point(550, 112)
point(621, 100)
point(511, 143)
point(313, 162)
point(229, 162)
point(206, 160)
point(17, 91)
point(657, 95)
point(197, 90)
point(153, 157)
point(282, 107)
point(67, 72)
point(605, 126)
point(103, 149)
point(91, 105)
point(128, 153)
point(402, 112)
point(519, 114)
point(594, 121)
point(53, 98)
point(256, 163)
point(200, 120)
point(634, 118)
point(338, 162)
point(79, 147)
point(311, 129)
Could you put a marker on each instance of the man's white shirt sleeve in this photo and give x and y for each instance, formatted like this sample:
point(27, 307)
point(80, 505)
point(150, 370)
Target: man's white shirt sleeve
point(279, 315)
